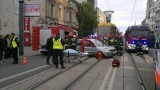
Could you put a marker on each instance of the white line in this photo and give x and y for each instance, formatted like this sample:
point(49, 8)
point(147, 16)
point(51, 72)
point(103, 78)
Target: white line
point(112, 79)
point(14, 84)
point(16, 75)
point(105, 79)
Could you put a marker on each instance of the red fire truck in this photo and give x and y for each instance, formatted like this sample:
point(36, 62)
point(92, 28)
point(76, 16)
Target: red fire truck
point(131, 37)
point(42, 33)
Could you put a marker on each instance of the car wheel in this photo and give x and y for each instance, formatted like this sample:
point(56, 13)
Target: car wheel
point(99, 55)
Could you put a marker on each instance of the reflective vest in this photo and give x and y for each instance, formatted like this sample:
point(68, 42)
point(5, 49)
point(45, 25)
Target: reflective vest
point(14, 44)
point(57, 44)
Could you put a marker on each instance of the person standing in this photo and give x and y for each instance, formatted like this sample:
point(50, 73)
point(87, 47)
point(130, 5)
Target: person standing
point(7, 51)
point(1, 48)
point(49, 47)
point(14, 48)
point(58, 47)
point(74, 42)
point(68, 42)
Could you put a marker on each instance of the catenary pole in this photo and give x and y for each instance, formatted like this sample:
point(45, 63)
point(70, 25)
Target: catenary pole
point(21, 27)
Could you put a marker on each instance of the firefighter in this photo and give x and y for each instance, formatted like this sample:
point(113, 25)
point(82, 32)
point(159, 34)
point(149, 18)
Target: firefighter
point(68, 42)
point(119, 45)
point(116, 42)
point(58, 47)
point(139, 45)
point(104, 41)
point(14, 48)
point(49, 47)
point(74, 42)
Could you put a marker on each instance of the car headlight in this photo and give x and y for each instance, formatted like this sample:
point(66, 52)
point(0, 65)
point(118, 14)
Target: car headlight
point(106, 49)
point(129, 47)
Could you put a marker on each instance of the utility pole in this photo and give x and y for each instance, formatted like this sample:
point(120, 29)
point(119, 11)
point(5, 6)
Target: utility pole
point(21, 27)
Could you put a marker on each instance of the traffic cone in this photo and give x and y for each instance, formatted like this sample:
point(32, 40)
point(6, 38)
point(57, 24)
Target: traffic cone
point(25, 60)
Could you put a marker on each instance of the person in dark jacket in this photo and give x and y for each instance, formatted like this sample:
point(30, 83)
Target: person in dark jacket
point(1, 48)
point(7, 50)
point(139, 45)
point(14, 48)
point(49, 47)
point(58, 47)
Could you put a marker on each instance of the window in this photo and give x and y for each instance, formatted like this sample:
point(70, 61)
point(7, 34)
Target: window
point(52, 10)
point(70, 16)
point(59, 14)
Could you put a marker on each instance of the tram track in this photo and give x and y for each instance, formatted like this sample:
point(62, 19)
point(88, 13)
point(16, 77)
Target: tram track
point(51, 77)
point(40, 82)
point(79, 78)
point(140, 74)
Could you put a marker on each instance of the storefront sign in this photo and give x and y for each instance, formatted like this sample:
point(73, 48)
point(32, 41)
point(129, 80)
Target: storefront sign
point(32, 10)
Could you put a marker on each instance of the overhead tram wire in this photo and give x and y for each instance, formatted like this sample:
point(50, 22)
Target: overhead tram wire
point(132, 12)
point(108, 6)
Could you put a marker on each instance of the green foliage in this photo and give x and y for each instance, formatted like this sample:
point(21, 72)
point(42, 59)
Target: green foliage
point(87, 19)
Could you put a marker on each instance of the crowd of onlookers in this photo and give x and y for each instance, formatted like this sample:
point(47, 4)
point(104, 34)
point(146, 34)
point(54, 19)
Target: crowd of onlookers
point(9, 47)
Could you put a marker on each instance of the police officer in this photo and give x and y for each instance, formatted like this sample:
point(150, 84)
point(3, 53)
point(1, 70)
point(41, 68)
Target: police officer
point(58, 47)
point(14, 48)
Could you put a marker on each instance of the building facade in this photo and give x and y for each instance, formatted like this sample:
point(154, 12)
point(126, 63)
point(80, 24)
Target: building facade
point(52, 12)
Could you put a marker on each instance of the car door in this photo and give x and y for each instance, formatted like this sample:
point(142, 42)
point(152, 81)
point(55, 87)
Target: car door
point(89, 47)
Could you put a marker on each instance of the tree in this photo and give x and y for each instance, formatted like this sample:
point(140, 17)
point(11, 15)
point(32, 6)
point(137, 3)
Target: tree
point(87, 19)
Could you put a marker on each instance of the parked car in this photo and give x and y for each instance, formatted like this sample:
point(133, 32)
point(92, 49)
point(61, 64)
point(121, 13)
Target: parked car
point(92, 46)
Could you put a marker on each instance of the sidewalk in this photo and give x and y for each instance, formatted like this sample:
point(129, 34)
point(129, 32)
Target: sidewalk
point(28, 52)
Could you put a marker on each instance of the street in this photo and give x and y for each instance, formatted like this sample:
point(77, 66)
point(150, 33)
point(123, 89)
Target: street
point(102, 76)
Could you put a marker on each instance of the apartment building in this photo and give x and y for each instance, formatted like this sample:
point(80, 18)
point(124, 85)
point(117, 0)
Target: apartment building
point(51, 12)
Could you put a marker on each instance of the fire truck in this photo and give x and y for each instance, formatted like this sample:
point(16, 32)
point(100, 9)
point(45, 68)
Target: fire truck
point(42, 33)
point(131, 37)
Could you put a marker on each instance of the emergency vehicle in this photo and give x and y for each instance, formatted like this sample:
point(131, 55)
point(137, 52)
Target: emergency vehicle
point(131, 37)
point(42, 33)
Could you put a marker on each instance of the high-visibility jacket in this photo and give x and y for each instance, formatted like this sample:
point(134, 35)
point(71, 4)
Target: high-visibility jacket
point(57, 44)
point(14, 43)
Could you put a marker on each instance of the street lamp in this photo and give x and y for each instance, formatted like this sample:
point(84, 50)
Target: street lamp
point(21, 27)
point(108, 15)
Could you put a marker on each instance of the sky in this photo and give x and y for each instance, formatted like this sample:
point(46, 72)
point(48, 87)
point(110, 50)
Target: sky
point(123, 12)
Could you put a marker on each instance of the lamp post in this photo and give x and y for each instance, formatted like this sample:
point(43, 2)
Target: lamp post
point(108, 15)
point(21, 27)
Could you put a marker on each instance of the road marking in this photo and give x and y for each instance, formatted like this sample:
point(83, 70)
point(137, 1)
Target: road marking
point(112, 79)
point(105, 79)
point(16, 75)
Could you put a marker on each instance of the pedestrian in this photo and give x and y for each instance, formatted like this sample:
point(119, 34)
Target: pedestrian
point(74, 42)
point(1, 48)
point(49, 47)
point(7, 50)
point(58, 47)
point(14, 47)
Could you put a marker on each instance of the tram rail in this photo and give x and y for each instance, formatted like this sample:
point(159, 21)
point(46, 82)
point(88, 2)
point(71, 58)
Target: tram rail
point(140, 77)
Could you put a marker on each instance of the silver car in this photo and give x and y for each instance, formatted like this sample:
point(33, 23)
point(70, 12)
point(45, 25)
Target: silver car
point(92, 46)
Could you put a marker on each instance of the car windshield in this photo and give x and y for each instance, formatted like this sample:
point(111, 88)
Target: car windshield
point(97, 43)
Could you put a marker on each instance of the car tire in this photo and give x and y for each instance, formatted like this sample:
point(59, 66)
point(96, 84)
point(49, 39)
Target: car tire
point(99, 55)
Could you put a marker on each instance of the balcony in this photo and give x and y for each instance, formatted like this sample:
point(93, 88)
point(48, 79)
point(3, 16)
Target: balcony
point(157, 9)
point(152, 14)
point(157, 18)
